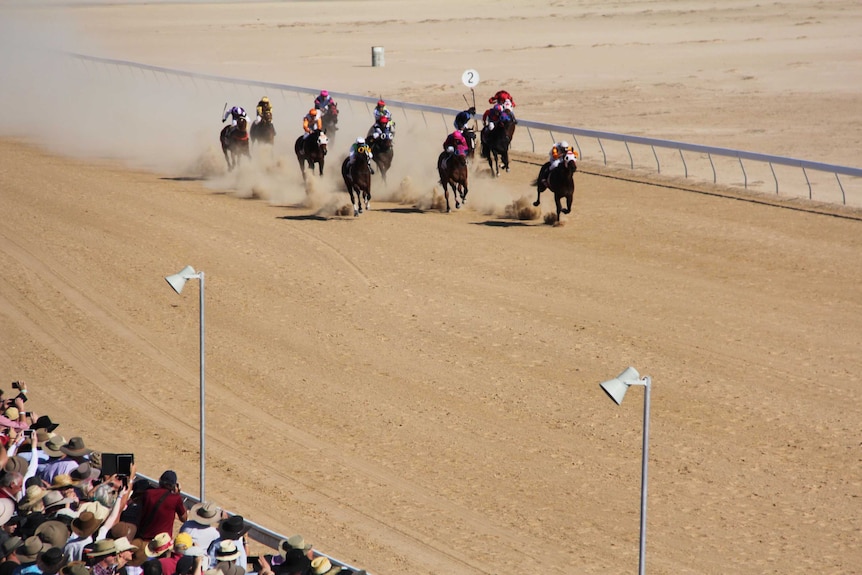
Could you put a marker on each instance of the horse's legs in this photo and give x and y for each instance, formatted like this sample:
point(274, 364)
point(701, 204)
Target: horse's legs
point(559, 201)
point(320, 166)
point(506, 159)
point(353, 199)
point(446, 193)
point(568, 202)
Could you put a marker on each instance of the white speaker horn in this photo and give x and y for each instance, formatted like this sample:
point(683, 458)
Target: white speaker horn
point(616, 388)
point(178, 280)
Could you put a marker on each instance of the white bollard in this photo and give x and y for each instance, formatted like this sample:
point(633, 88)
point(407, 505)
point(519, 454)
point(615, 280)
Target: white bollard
point(377, 59)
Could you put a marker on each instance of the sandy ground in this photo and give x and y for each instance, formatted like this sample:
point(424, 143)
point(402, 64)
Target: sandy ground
point(417, 391)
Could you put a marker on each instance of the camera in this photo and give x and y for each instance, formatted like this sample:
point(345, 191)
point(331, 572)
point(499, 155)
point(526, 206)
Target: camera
point(16, 385)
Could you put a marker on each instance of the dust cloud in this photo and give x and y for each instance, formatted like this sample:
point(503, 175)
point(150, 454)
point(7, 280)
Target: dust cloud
point(170, 125)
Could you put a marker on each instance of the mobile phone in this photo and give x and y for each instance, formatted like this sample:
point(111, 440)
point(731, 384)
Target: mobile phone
point(22, 395)
point(253, 562)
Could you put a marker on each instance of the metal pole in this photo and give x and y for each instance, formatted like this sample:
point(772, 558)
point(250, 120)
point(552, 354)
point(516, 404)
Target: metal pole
point(642, 555)
point(203, 395)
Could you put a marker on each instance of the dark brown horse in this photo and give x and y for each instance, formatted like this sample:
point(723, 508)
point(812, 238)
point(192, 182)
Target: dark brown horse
point(263, 132)
point(382, 153)
point(560, 180)
point(234, 143)
point(453, 173)
point(311, 149)
point(357, 178)
point(496, 143)
point(470, 136)
point(330, 120)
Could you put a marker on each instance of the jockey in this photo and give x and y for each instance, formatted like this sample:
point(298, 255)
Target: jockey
point(503, 98)
point(354, 149)
point(558, 152)
point(463, 118)
point(323, 101)
point(235, 113)
point(312, 121)
point(380, 127)
point(381, 111)
point(492, 115)
point(456, 144)
point(262, 106)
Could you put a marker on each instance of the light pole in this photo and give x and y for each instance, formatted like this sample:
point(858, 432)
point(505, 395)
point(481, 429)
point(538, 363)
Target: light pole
point(616, 389)
point(177, 281)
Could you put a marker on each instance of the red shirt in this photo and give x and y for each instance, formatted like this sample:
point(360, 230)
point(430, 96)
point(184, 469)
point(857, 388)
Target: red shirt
point(159, 520)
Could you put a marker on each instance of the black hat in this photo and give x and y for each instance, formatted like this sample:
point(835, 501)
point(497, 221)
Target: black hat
point(185, 565)
point(44, 422)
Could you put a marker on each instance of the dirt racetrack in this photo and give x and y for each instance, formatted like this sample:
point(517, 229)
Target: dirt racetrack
point(417, 392)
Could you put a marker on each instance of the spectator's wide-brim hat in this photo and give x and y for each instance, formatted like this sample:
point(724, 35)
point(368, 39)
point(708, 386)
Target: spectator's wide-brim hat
point(63, 481)
point(97, 509)
point(233, 527)
point(85, 524)
point(226, 551)
point(205, 513)
point(52, 559)
point(53, 446)
point(29, 551)
point(11, 545)
point(32, 498)
point(44, 422)
point(85, 472)
point(103, 547)
point(229, 568)
point(323, 566)
point(294, 542)
point(54, 532)
point(75, 568)
point(53, 501)
point(123, 544)
point(140, 553)
point(123, 529)
point(76, 448)
point(159, 545)
point(16, 464)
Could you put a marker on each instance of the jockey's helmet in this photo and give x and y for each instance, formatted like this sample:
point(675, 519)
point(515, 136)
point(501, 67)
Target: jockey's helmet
point(360, 140)
point(324, 93)
point(564, 144)
point(384, 120)
point(380, 103)
point(312, 112)
point(264, 100)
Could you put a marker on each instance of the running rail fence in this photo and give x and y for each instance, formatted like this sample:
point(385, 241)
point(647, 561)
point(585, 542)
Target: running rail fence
point(736, 168)
point(256, 532)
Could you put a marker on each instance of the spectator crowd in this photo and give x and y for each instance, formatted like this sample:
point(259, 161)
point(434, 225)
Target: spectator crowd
point(69, 510)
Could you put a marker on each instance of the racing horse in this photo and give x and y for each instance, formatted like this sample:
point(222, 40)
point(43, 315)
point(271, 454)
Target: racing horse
point(330, 119)
point(496, 143)
point(452, 169)
point(470, 137)
point(263, 132)
point(234, 143)
point(357, 178)
point(311, 149)
point(382, 152)
point(559, 180)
